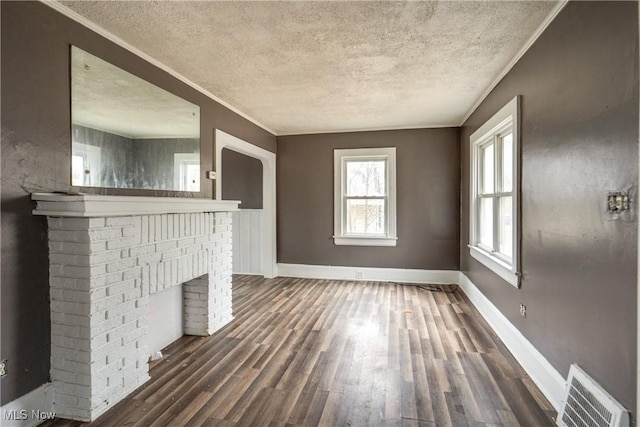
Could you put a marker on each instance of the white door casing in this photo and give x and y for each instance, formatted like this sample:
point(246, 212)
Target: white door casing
point(268, 159)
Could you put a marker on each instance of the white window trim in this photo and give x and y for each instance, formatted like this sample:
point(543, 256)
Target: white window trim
point(340, 237)
point(508, 114)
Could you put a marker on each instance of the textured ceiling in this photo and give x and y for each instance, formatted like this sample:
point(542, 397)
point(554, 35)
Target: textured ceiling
point(307, 67)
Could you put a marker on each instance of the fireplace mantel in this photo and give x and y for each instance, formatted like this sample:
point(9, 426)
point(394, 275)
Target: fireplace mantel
point(107, 255)
point(97, 206)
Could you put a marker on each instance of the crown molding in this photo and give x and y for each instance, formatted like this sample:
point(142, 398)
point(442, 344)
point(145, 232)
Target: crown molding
point(543, 26)
point(54, 4)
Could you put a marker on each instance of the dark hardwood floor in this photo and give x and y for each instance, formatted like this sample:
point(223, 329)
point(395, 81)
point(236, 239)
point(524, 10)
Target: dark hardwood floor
point(337, 353)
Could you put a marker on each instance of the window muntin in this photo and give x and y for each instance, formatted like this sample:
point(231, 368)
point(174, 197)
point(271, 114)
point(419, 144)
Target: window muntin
point(365, 197)
point(494, 194)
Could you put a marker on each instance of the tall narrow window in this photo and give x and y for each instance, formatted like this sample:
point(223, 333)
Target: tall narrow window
point(364, 199)
point(494, 231)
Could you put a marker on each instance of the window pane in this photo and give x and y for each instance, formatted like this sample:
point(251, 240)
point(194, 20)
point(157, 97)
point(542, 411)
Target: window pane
point(506, 227)
point(507, 162)
point(487, 169)
point(366, 178)
point(486, 222)
point(77, 170)
point(365, 216)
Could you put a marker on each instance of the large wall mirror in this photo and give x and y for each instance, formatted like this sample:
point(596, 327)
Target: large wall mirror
point(129, 133)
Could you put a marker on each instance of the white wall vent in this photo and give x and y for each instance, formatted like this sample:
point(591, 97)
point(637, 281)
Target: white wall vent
point(586, 404)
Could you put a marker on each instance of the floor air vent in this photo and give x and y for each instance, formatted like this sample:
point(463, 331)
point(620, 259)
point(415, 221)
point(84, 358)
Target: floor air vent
point(586, 404)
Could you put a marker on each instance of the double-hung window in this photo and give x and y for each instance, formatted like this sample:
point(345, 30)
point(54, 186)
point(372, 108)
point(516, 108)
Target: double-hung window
point(494, 221)
point(365, 197)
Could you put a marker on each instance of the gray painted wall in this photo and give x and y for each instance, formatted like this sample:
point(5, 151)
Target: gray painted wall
point(36, 148)
point(428, 184)
point(579, 87)
point(241, 179)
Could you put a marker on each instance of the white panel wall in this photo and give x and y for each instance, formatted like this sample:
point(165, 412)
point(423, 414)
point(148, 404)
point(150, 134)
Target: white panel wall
point(247, 241)
point(165, 314)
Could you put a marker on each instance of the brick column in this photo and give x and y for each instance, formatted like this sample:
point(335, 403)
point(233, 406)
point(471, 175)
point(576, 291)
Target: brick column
point(207, 299)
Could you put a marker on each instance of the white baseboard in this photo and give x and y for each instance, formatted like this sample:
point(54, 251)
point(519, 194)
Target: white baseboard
point(543, 374)
point(246, 274)
point(367, 273)
point(29, 410)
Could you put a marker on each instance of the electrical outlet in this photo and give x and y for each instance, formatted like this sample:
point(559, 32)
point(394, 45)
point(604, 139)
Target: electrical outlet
point(523, 310)
point(359, 275)
point(3, 368)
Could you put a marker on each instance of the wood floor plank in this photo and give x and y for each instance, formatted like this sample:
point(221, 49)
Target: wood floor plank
point(393, 404)
point(227, 396)
point(457, 412)
point(316, 409)
point(263, 409)
point(424, 404)
point(537, 395)
point(333, 405)
point(301, 409)
point(378, 386)
point(486, 393)
point(303, 352)
point(522, 404)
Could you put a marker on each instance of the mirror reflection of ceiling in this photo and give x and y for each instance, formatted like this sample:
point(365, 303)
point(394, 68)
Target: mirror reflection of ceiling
point(110, 99)
point(328, 66)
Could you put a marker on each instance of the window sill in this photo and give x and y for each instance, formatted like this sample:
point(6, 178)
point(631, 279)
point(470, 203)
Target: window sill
point(365, 241)
point(496, 265)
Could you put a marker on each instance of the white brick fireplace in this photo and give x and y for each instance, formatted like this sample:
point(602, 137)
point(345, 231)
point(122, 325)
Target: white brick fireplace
point(107, 254)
